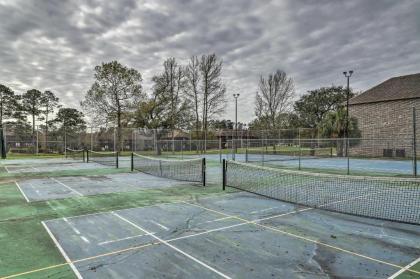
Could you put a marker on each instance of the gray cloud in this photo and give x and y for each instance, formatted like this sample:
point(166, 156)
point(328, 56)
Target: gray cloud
point(56, 44)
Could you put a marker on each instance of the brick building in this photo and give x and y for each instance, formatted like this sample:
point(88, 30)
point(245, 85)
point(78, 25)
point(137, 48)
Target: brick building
point(385, 117)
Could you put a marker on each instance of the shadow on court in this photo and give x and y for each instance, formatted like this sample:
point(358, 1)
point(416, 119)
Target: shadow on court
point(237, 235)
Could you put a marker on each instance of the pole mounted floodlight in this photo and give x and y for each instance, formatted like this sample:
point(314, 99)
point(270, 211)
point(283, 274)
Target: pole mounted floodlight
point(347, 75)
point(236, 96)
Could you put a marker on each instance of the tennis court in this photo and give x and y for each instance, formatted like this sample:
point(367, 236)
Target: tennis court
point(380, 166)
point(238, 235)
point(51, 188)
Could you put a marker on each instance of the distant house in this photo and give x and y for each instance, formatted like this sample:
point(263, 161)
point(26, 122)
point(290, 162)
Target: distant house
point(385, 117)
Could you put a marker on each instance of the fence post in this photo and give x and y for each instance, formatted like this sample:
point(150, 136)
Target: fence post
point(220, 149)
point(36, 148)
point(348, 156)
point(414, 143)
point(224, 174)
point(65, 142)
point(91, 138)
point(203, 169)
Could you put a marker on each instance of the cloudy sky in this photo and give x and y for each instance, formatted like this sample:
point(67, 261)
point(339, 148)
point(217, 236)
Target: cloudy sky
point(56, 44)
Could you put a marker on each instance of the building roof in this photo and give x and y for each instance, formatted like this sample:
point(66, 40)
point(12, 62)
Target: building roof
point(396, 88)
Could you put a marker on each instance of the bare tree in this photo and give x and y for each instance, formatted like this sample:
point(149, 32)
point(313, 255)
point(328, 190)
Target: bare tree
point(213, 89)
point(274, 97)
point(169, 92)
point(192, 71)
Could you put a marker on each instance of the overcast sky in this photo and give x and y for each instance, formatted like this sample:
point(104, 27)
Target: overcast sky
point(55, 45)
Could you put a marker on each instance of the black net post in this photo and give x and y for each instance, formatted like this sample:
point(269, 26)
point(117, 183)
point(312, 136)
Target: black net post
point(414, 143)
point(116, 159)
point(2, 143)
point(203, 169)
point(224, 173)
point(132, 161)
point(87, 156)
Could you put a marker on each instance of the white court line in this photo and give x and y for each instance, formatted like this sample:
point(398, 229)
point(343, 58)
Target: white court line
point(85, 239)
point(173, 247)
point(159, 225)
point(69, 262)
point(7, 170)
point(71, 226)
point(405, 268)
point(122, 239)
point(21, 191)
point(68, 187)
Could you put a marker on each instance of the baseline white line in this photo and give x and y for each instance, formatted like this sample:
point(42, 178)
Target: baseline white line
point(68, 187)
point(173, 247)
point(405, 268)
point(21, 191)
point(63, 253)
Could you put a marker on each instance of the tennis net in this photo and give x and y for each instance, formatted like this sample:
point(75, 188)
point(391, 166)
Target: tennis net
point(103, 158)
point(267, 155)
point(395, 199)
point(193, 170)
point(78, 155)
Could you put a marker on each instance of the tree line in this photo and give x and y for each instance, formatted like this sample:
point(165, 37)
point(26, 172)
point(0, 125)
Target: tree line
point(17, 110)
point(321, 109)
point(183, 96)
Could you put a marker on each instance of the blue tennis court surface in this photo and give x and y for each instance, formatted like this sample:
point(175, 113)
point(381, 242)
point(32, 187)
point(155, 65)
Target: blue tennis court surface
point(403, 167)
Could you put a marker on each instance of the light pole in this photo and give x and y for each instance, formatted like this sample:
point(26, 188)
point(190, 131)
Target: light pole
point(347, 75)
point(236, 96)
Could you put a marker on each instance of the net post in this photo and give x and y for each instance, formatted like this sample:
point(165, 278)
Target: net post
point(132, 161)
point(87, 156)
point(414, 143)
point(116, 159)
point(224, 173)
point(203, 169)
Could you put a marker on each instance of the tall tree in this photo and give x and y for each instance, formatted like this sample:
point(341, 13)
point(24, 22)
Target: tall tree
point(192, 72)
point(169, 90)
point(9, 106)
point(116, 91)
point(213, 89)
point(274, 97)
point(49, 102)
point(31, 104)
point(314, 106)
point(70, 119)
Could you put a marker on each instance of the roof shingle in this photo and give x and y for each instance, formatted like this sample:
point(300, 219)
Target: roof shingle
point(396, 88)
